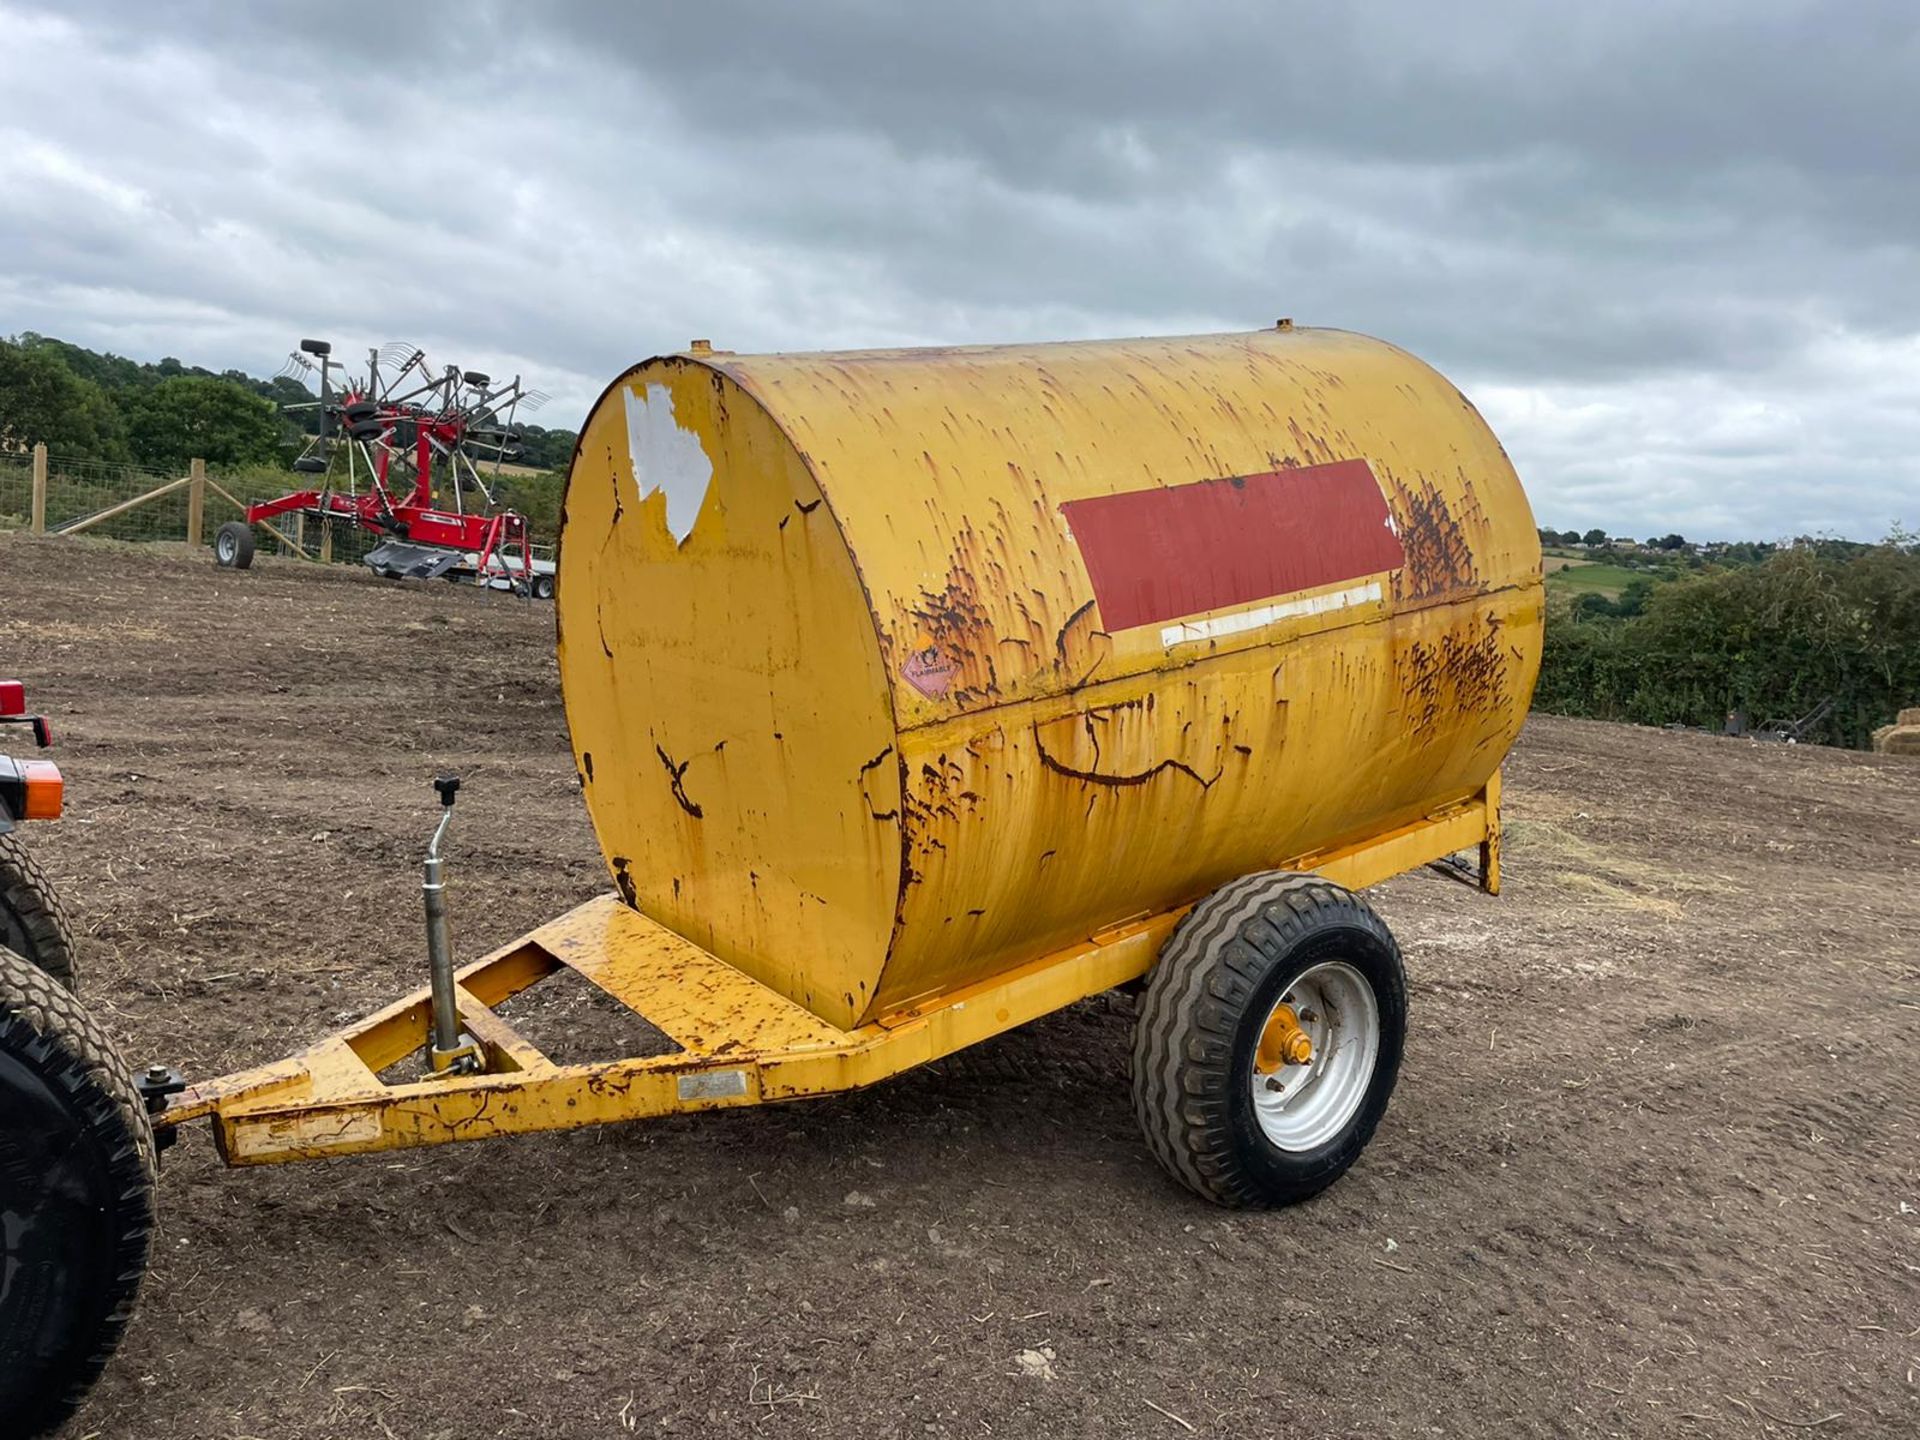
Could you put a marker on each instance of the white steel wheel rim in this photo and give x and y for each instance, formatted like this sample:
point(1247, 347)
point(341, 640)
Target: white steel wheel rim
point(224, 547)
point(1302, 1107)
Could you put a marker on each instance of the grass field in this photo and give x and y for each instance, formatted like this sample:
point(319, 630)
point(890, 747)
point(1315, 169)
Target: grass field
point(1607, 580)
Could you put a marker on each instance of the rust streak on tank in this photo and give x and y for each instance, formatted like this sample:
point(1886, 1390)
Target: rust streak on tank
point(866, 771)
point(1097, 777)
point(676, 775)
point(1439, 553)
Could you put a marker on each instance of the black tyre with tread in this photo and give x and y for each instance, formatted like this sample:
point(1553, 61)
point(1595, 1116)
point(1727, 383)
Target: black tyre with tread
point(1217, 979)
point(233, 545)
point(76, 1198)
point(32, 923)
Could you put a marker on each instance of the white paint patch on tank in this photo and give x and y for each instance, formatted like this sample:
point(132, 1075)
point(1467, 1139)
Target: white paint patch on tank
point(667, 456)
point(1253, 619)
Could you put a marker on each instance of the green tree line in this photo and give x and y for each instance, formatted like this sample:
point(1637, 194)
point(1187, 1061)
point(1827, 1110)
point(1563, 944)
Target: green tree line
point(1816, 621)
point(92, 406)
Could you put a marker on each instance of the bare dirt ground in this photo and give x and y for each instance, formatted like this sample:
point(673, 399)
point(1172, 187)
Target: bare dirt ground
point(1653, 1167)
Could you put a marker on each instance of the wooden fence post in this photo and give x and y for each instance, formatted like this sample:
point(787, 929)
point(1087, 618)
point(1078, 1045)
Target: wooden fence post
point(39, 489)
point(326, 540)
point(196, 500)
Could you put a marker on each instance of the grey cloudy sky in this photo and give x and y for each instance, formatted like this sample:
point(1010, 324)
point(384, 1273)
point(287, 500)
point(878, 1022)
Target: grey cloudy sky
point(1672, 251)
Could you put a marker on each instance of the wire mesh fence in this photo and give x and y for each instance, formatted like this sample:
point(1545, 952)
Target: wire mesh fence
point(94, 493)
point(16, 490)
point(125, 502)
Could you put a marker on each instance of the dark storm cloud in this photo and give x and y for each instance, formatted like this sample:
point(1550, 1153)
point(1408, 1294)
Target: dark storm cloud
point(1669, 249)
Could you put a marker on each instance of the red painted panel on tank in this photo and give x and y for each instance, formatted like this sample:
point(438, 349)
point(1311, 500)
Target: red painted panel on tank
point(1161, 554)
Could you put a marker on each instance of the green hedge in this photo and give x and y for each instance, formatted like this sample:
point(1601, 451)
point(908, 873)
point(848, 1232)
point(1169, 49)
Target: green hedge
point(1774, 640)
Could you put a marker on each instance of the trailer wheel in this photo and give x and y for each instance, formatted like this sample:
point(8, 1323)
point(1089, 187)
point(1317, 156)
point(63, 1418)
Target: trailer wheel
point(233, 545)
point(1269, 1039)
point(32, 923)
point(76, 1212)
point(543, 587)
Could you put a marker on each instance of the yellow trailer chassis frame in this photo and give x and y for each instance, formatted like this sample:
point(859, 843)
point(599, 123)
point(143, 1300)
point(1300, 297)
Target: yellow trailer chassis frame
point(741, 1043)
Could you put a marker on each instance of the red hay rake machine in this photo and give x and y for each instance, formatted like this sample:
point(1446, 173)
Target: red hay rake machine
point(382, 441)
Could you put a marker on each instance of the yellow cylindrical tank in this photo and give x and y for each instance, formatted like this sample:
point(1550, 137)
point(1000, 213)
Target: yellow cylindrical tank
point(889, 671)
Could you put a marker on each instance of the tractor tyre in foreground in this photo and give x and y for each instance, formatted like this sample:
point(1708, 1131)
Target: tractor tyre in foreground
point(76, 1198)
point(1269, 1039)
point(233, 545)
point(32, 924)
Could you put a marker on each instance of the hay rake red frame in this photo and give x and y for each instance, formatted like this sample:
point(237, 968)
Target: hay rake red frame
point(398, 428)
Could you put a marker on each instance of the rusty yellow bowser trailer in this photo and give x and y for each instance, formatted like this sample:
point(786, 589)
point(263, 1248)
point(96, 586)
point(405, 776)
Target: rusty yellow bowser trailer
point(916, 694)
point(919, 693)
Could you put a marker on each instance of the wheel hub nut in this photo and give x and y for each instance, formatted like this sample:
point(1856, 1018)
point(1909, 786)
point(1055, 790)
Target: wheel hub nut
point(1282, 1042)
